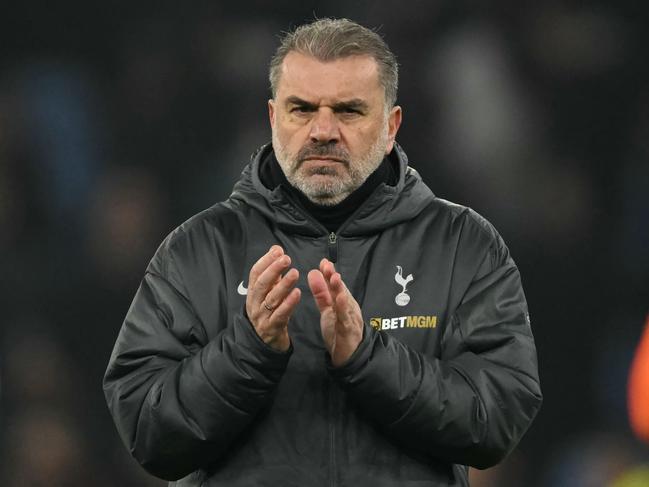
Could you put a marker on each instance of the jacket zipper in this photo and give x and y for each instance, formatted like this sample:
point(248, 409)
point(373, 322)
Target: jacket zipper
point(333, 247)
point(332, 239)
point(332, 436)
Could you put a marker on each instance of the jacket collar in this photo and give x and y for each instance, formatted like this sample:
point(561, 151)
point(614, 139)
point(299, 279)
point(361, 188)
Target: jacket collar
point(386, 206)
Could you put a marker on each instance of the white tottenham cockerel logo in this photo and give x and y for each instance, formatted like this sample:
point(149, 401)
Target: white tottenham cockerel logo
point(402, 298)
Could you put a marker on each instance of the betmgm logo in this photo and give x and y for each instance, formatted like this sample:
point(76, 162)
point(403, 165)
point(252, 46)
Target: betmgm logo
point(421, 321)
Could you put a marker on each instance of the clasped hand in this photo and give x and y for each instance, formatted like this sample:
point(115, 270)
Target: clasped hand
point(273, 297)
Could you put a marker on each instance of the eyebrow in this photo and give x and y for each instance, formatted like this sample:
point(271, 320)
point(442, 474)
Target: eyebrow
point(354, 104)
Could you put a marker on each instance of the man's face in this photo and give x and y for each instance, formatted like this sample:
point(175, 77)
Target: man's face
point(330, 125)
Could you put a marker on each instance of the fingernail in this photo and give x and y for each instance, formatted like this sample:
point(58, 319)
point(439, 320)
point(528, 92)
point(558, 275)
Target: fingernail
point(276, 252)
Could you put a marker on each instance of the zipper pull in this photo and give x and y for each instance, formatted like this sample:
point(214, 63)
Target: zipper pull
point(333, 247)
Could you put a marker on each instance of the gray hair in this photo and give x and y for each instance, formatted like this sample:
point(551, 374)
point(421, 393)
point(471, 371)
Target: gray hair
point(330, 39)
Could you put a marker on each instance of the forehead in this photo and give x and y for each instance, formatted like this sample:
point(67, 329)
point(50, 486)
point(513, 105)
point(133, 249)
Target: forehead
point(311, 79)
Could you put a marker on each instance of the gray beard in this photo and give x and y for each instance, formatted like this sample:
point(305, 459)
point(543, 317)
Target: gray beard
point(335, 189)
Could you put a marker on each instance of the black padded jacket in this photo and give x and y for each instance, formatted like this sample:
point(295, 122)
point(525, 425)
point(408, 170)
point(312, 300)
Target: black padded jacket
point(445, 376)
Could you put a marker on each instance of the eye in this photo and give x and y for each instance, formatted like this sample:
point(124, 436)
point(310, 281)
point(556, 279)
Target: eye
point(349, 112)
point(301, 109)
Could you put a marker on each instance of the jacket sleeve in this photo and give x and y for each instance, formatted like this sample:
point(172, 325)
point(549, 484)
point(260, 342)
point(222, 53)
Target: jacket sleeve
point(178, 400)
point(472, 405)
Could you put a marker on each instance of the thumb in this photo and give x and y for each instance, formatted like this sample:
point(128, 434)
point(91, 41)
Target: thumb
point(319, 289)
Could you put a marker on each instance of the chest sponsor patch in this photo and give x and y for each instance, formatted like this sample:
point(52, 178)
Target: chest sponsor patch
point(416, 321)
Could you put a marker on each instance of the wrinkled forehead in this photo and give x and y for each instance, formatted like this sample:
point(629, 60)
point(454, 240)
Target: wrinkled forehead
point(311, 79)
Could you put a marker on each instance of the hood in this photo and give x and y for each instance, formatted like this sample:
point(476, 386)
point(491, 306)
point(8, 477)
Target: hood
point(385, 207)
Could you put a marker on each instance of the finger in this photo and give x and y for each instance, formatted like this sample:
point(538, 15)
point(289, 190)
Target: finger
point(327, 268)
point(336, 284)
point(264, 261)
point(282, 314)
point(339, 295)
point(269, 277)
point(342, 310)
point(319, 289)
point(281, 290)
point(349, 318)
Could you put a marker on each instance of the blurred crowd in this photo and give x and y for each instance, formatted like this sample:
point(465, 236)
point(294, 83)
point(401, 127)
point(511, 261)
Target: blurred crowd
point(117, 124)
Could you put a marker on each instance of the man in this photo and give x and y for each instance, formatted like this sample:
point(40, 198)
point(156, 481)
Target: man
point(332, 322)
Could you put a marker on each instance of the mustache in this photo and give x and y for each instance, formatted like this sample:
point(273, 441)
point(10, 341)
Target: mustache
point(328, 150)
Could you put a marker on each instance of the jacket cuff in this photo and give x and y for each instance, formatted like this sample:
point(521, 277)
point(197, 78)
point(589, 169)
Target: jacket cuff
point(357, 360)
point(247, 352)
point(249, 338)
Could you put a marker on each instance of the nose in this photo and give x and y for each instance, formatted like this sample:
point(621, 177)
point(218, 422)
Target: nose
point(324, 126)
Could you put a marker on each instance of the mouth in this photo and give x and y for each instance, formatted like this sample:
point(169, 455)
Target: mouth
point(322, 159)
point(322, 166)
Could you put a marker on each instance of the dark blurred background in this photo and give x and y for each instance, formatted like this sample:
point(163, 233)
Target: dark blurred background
point(119, 121)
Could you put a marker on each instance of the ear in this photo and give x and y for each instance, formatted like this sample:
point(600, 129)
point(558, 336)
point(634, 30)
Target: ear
point(271, 112)
point(394, 122)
